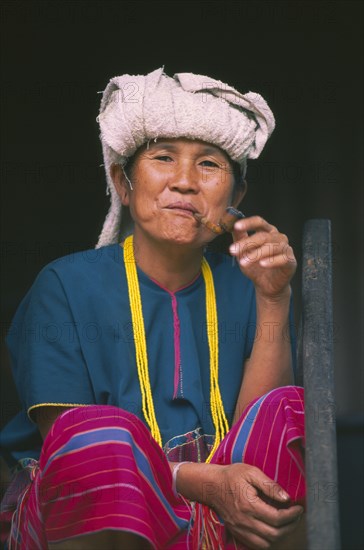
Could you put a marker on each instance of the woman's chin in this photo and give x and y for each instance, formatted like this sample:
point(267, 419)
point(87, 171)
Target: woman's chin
point(179, 236)
point(182, 240)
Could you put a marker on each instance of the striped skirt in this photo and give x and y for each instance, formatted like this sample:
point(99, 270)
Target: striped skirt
point(100, 469)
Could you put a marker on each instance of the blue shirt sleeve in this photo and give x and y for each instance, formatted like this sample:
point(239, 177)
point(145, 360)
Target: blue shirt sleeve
point(46, 356)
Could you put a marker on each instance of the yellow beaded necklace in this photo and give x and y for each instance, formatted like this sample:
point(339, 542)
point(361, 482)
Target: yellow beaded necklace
point(216, 404)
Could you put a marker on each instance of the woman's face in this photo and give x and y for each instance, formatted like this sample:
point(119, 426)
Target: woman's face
point(171, 179)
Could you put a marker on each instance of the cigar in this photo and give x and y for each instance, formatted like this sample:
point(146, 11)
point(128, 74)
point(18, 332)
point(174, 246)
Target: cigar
point(226, 222)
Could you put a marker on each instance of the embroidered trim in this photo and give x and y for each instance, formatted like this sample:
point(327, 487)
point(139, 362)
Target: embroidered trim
point(177, 349)
point(194, 446)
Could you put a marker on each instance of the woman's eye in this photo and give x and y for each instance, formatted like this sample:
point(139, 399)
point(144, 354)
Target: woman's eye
point(210, 164)
point(164, 158)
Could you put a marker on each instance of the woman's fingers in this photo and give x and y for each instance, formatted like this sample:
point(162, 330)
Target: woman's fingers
point(254, 223)
point(259, 238)
point(247, 255)
point(278, 260)
point(266, 485)
point(250, 248)
point(270, 512)
point(266, 246)
point(264, 255)
point(259, 535)
point(277, 518)
point(250, 503)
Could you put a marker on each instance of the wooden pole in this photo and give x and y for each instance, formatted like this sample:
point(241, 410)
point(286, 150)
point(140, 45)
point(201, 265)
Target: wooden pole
point(318, 376)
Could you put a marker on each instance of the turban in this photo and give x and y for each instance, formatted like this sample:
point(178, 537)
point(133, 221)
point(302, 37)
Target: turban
point(136, 108)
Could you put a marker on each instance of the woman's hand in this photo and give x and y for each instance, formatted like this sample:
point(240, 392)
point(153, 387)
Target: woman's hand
point(240, 494)
point(245, 498)
point(264, 256)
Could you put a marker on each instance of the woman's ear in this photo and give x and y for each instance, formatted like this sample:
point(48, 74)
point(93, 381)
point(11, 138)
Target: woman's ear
point(239, 193)
point(119, 180)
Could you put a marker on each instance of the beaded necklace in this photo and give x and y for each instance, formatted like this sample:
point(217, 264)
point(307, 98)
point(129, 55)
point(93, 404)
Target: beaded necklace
point(216, 404)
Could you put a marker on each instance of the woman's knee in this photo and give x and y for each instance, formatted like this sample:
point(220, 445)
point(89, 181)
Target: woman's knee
point(282, 401)
point(88, 426)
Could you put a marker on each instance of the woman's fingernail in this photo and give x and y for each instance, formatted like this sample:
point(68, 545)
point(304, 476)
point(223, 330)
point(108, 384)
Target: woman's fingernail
point(283, 495)
point(233, 248)
point(239, 225)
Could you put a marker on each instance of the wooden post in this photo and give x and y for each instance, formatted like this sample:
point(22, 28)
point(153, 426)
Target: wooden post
point(318, 376)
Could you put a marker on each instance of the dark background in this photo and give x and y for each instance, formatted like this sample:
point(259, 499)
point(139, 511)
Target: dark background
point(305, 58)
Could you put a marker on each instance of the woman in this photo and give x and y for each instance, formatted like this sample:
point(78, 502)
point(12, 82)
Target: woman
point(151, 365)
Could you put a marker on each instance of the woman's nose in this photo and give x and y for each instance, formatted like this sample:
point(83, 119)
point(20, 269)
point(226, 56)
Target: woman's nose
point(185, 179)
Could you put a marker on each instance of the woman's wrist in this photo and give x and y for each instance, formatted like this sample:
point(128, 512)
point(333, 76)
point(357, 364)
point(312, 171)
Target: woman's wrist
point(283, 298)
point(196, 481)
point(175, 471)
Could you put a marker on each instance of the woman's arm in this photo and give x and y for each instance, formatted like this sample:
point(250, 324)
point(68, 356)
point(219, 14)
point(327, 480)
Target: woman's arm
point(268, 260)
point(270, 363)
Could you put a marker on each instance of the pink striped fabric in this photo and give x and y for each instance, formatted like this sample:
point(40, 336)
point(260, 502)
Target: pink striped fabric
point(270, 436)
point(101, 469)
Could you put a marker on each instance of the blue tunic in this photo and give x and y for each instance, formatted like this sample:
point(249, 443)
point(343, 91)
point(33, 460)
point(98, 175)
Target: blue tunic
point(71, 342)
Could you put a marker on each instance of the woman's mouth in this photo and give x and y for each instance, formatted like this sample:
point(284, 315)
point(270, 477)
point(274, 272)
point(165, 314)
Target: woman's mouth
point(181, 206)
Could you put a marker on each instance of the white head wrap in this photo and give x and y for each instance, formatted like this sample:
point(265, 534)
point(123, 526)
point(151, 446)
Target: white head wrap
point(136, 109)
